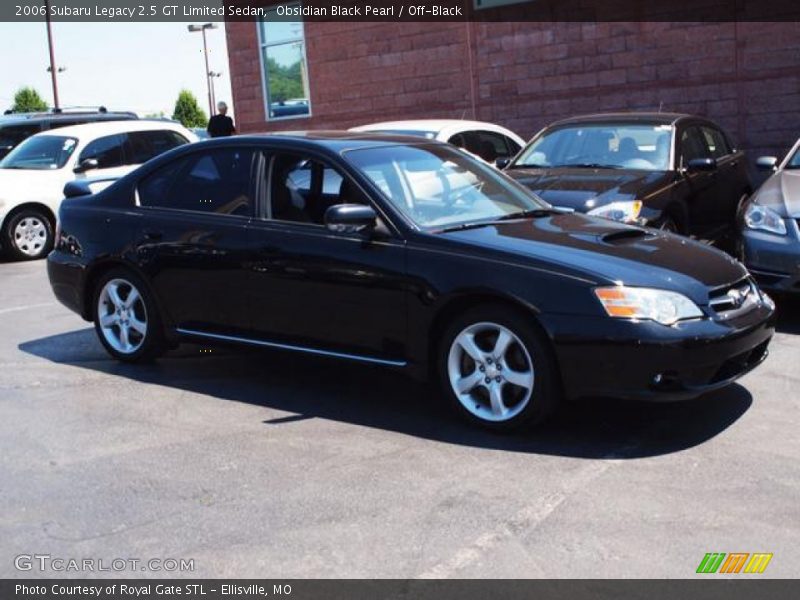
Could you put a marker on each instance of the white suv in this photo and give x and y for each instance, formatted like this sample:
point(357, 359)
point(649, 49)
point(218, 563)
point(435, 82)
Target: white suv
point(33, 175)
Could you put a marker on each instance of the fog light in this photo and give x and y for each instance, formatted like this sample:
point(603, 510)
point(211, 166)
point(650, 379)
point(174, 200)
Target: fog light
point(658, 379)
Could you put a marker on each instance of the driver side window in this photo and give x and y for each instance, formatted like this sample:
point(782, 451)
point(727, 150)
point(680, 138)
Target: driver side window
point(303, 188)
point(693, 146)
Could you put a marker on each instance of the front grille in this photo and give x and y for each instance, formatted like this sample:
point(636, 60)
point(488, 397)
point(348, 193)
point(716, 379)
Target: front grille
point(733, 300)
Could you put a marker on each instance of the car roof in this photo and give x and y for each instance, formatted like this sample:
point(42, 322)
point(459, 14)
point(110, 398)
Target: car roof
point(14, 118)
point(660, 118)
point(433, 125)
point(334, 140)
point(101, 128)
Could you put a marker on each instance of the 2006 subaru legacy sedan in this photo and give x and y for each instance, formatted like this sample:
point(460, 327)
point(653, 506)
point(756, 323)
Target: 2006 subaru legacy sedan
point(407, 253)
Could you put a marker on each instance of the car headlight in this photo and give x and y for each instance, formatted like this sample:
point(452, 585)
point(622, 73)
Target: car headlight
point(764, 218)
point(660, 306)
point(626, 212)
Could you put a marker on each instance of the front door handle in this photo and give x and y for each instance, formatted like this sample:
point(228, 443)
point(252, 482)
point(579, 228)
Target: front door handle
point(152, 235)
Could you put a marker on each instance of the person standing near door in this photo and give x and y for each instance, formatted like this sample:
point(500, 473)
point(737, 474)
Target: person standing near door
point(221, 125)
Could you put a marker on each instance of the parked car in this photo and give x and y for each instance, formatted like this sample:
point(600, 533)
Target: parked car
point(33, 175)
point(17, 127)
point(675, 172)
point(488, 141)
point(770, 240)
point(507, 301)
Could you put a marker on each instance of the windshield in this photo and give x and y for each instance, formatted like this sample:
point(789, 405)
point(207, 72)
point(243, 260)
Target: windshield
point(41, 152)
point(439, 186)
point(624, 146)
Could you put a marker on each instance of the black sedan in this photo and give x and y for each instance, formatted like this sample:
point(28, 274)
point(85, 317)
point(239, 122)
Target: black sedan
point(675, 172)
point(406, 253)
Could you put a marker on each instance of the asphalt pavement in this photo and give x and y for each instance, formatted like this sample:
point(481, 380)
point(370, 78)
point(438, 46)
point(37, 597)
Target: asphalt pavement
point(258, 464)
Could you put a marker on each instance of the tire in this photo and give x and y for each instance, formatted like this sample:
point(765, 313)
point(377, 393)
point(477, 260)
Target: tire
point(489, 396)
point(126, 317)
point(28, 235)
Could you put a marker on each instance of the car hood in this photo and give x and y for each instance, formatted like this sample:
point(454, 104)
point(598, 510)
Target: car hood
point(781, 193)
point(606, 252)
point(18, 185)
point(584, 189)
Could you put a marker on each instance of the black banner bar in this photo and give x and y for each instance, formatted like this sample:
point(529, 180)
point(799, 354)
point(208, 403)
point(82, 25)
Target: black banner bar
point(401, 10)
point(713, 588)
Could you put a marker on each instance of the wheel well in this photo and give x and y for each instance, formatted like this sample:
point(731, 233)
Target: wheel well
point(96, 272)
point(43, 208)
point(459, 305)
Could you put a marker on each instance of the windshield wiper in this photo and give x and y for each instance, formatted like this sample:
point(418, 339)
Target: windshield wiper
point(526, 166)
point(533, 213)
point(587, 166)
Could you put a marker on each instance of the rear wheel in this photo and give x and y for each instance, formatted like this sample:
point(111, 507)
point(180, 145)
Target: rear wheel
point(497, 370)
point(28, 234)
point(126, 318)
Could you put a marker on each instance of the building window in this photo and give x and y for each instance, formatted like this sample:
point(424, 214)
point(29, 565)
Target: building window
point(479, 4)
point(284, 65)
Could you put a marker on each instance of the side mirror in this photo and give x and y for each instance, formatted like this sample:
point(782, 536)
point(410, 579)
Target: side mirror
point(87, 165)
point(350, 218)
point(767, 163)
point(702, 164)
point(502, 163)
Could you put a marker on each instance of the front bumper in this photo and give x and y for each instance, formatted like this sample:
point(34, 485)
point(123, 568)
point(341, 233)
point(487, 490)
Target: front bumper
point(603, 357)
point(774, 260)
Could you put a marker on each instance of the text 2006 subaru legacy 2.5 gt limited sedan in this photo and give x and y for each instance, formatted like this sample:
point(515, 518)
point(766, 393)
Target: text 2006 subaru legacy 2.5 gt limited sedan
point(407, 253)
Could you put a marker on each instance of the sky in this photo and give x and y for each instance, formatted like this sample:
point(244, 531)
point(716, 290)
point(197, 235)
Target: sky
point(122, 66)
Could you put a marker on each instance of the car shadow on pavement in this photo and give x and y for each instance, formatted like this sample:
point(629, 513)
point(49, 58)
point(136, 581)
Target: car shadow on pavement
point(309, 387)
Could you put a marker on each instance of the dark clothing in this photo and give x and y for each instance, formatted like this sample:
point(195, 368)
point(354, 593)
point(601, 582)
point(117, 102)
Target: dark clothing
point(220, 126)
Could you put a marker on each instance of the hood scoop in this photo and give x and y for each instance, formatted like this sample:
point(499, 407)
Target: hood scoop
point(625, 235)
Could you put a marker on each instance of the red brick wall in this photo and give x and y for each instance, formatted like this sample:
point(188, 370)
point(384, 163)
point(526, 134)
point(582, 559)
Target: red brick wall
point(525, 75)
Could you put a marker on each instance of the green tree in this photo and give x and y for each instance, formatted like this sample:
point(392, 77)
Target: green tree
point(28, 99)
point(188, 112)
point(285, 82)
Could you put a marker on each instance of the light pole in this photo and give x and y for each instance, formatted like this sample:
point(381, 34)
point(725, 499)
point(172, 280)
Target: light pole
point(53, 70)
point(202, 29)
point(211, 76)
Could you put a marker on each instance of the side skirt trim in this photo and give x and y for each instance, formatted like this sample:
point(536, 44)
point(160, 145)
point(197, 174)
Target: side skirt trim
point(291, 348)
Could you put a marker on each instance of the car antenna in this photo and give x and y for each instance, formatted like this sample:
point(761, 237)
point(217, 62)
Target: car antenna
point(661, 106)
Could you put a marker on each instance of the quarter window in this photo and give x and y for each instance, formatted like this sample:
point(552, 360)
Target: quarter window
point(108, 151)
point(219, 181)
point(283, 55)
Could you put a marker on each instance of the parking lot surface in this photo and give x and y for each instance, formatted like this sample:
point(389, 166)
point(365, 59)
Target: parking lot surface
point(257, 464)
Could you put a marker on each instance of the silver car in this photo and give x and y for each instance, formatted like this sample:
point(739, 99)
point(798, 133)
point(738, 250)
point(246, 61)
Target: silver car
point(770, 240)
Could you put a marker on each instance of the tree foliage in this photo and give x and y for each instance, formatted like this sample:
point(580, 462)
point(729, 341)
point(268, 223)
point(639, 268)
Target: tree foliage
point(27, 99)
point(188, 112)
point(285, 82)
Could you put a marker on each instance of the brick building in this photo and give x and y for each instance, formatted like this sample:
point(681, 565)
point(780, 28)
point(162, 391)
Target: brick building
point(522, 75)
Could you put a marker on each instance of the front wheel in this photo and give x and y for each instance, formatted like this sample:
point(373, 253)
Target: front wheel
point(126, 318)
point(497, 370)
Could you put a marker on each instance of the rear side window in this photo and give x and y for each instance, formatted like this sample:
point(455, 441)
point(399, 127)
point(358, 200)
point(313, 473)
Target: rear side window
point(488, 145)
point(108, 151)
point(144, 145)
point(217, 181)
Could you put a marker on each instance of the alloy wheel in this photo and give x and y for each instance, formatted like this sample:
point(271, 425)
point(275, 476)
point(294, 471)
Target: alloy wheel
point(491, 372)
point(122, 316)
point(30, 236)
